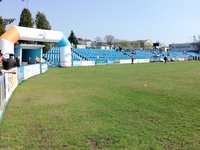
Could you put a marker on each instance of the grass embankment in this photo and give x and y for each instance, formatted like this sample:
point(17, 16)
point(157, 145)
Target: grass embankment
point(143, 106)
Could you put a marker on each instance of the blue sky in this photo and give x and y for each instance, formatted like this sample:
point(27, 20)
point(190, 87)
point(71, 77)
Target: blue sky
point(167, 21)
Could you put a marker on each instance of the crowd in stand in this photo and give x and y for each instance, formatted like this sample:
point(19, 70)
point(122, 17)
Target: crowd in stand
point(7, 63)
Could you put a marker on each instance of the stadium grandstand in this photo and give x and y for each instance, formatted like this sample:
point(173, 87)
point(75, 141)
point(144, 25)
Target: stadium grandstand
point(78, 54)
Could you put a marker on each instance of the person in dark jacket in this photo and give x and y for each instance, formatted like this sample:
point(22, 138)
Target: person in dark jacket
point(10, 62)
point(17, 59)
point(165, 59)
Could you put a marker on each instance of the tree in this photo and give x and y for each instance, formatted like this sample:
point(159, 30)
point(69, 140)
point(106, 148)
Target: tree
point(26, 19)
point(41, 22)
point(136, 45)
point(72, 38)
point(124, 44)
point(98, 39)
point(196, 41)
point(8, 21)
point(3, 23)
point(2, 26)
point(109, 39)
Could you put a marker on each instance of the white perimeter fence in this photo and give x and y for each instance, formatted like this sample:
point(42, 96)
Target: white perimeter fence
point(9, 82)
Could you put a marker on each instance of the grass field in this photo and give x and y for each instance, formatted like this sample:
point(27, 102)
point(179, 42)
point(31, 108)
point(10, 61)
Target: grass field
point(141, 106)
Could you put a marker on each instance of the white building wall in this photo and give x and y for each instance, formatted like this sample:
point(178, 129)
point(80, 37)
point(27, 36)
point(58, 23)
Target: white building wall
point(81, 46)
point(104, 47)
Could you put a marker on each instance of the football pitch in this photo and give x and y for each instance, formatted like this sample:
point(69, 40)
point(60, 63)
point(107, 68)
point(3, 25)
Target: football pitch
point(139, 106)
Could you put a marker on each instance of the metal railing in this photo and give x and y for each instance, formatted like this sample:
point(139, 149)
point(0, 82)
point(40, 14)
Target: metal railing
point(2, 95)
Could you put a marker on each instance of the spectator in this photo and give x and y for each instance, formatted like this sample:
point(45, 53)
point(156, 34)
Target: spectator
point(29, 60)
point(17, 61)
point(37, 59)
point(10, 62)
point(1, 61)
point(106, 57)
point(165, 59)
point(132, 60)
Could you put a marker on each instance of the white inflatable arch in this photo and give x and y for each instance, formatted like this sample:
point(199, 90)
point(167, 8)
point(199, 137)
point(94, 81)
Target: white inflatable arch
point(15, 33)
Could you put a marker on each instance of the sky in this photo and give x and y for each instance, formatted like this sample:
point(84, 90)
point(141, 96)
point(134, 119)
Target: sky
point(166, 21)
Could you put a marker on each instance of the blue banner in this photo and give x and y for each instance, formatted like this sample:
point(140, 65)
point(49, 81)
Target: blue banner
point(111, 62)
point(20, 74)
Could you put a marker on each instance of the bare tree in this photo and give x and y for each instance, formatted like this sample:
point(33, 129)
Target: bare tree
point(109, 39)
point(196, 40)
point(98, 39)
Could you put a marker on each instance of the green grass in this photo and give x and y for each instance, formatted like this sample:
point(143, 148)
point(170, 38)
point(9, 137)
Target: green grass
point(141, 106)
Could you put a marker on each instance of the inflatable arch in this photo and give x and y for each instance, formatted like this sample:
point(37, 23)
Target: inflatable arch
point(15, 33)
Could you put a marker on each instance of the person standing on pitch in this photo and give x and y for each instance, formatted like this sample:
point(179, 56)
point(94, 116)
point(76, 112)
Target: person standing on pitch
point(165, 59)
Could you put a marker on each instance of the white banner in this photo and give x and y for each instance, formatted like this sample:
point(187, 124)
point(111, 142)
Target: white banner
point(87, 63)
point(136, 61)
point(11, 82)
point(31, 70)
point(44, 67)
point(125, 61)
